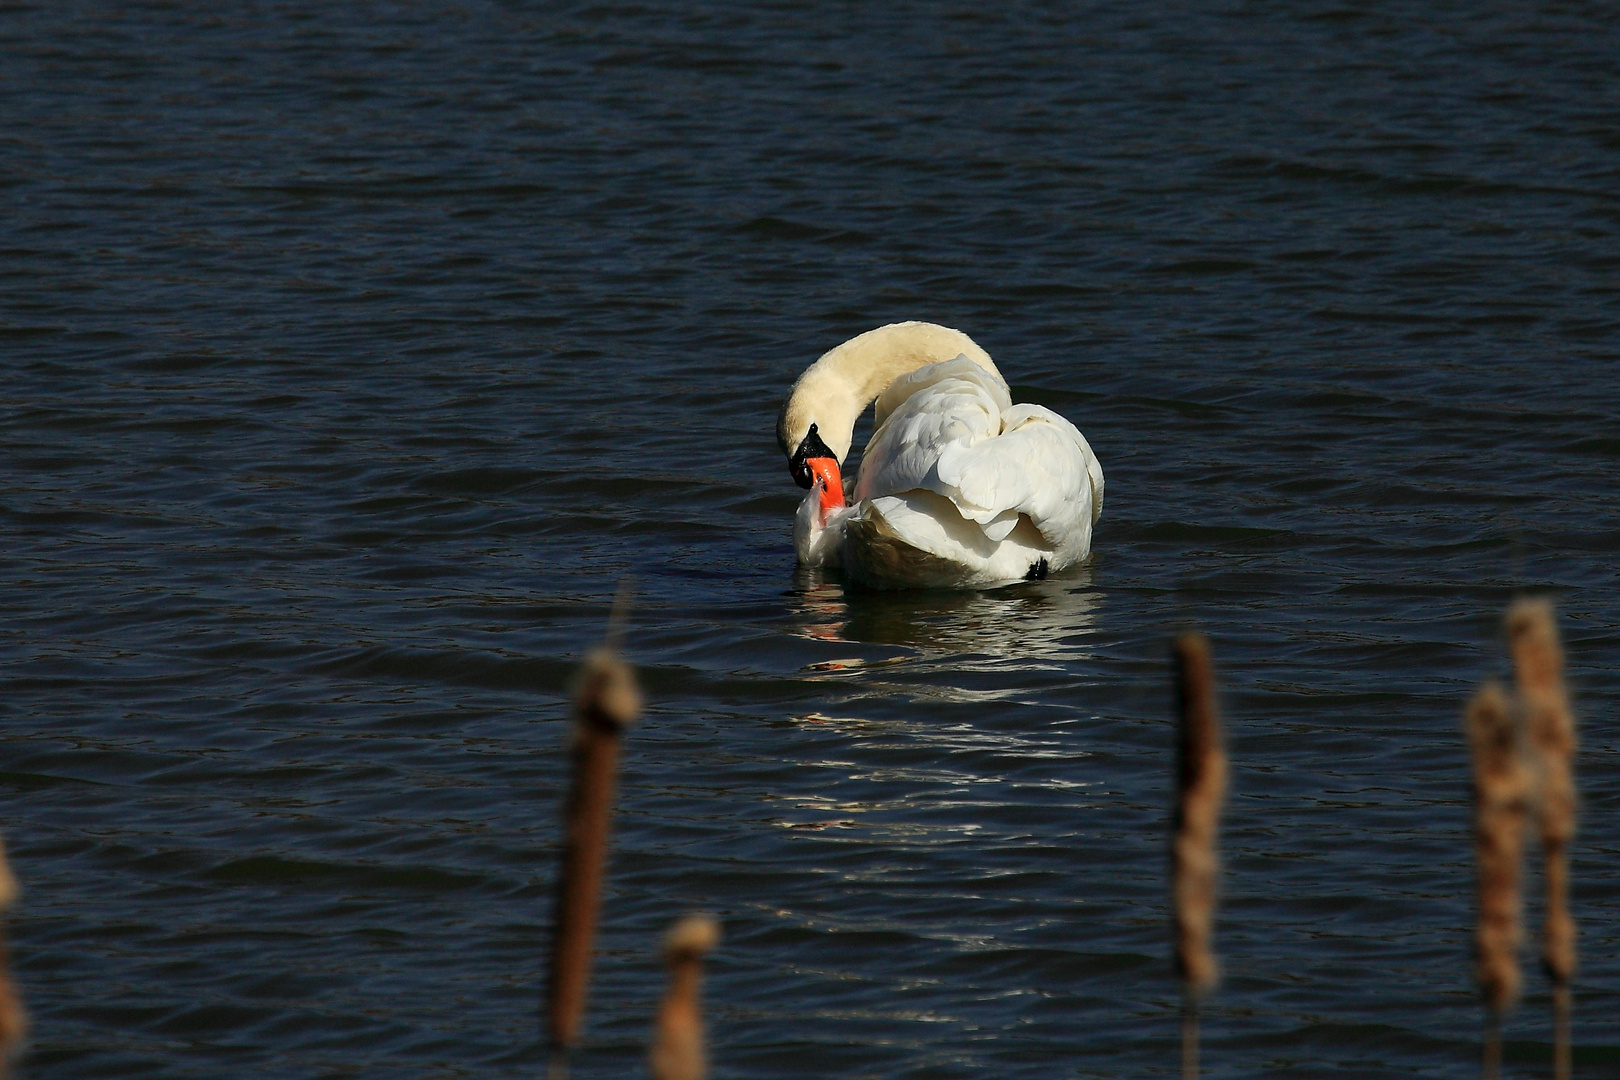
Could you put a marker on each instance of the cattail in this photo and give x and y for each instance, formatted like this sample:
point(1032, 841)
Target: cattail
point(1538, 660)
point(678, 1050)
point(13, 1017)
point(1200, 788)
point(1501, 793)
point(606, 703)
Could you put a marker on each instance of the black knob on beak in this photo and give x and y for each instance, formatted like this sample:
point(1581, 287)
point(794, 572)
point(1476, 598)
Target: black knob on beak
point(811, 447)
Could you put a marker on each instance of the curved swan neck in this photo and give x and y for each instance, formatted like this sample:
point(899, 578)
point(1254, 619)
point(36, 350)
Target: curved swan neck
point(834, 391)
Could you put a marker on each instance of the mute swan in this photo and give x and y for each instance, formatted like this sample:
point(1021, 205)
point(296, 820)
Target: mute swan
point(958, 487)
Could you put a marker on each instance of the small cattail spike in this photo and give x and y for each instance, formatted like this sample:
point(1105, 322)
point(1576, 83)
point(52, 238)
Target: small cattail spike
point(1538, 661)
point(606, 702)
point(678, 1051)
point(13, 1017)
point(1201, 788)
point(1501, 808)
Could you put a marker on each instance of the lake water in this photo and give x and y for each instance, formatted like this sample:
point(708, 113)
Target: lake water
point(350, 354)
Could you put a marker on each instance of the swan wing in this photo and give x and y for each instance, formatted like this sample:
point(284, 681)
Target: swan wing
point(1039, 466)
point(901, 390)
point(957, 476)
point(951, 403)
point(955, 433)
point(919, 540)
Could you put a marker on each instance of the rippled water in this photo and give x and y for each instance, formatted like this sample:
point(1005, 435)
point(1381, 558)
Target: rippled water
point(351, 353)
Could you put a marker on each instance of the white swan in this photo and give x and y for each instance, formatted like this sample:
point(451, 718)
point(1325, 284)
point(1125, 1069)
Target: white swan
point(958, 487)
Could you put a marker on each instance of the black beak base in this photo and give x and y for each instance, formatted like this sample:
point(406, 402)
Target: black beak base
point(811, 447)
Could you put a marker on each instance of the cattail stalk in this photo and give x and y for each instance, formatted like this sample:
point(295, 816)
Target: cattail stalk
point(607, 702)
point(1501, 808)
point(13, 1017)
point(1538, 661)
point(678, 1051)
point(1200, 788)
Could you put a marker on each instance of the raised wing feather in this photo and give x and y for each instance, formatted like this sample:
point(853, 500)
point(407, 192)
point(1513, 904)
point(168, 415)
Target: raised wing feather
point(954, 403)
point(950, 428)
point(1036, 466)
point(901, 391)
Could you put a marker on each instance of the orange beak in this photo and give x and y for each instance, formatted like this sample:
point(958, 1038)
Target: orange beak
point(825, 469)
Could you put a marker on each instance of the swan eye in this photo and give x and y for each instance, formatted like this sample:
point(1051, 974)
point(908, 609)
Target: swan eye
point(811, 447)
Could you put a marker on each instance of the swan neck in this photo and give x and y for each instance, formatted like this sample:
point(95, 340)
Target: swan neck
point(834, 391)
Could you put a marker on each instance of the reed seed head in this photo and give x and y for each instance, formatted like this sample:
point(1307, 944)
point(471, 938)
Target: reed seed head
point(678, 1051)
point(606, 691)
point(9, 890)
point(691, 937)
point(1538, 661)
point(1201, 788)
point(13, 1017)
point(606, 702)
point(1502, 788)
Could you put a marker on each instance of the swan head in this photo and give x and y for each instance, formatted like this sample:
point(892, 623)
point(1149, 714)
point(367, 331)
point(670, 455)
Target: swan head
point(815, 467)
point(818, 417)
point(810, 449)
point(817, 420)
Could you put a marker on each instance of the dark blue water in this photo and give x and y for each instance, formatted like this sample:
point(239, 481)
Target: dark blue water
point(349, 354)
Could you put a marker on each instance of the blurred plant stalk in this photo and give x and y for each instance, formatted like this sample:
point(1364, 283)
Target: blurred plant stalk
point(1194, 866)
point(1502, 790)
point(1538, 661)
point(607, 702)
point(678, 1050)
point(13, 1017)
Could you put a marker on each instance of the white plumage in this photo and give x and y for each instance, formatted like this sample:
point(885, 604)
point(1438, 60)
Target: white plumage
point(958, 487)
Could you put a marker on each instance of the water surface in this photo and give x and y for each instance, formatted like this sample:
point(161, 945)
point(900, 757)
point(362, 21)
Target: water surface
point(351, 354)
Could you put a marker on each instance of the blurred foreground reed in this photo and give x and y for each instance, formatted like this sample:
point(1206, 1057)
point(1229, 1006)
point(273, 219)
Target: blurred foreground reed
point(606, 703)
point(13, 1017)
point(678, 1050)
point(1501, 804)
point(1549, 722)
point(1194, 865)
point(1523, 751)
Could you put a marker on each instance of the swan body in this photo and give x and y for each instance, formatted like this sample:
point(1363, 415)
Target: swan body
point(958, 487)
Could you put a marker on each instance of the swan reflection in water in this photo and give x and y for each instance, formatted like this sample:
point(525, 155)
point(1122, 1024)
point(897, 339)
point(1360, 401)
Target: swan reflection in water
point(1035, 625)
point(986, 681)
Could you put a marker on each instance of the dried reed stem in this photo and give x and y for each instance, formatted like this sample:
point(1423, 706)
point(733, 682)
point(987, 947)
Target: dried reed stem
point(1490, 1055)
point(1189, 1040)
point(1501, 809)
point(1563, 1056)
point(13, 1017)
point(606, 703)
point(1538, 661)
point(678, 1051)
point(1200, 789)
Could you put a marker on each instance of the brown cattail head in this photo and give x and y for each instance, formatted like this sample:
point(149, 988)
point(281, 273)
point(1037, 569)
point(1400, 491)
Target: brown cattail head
point(678, 1051)
point(1502, 787)
point(606, 692)
point(13, 1017)
point(606, 702)
point(1538, 661)
point(1201, 787)
point(9, 890)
